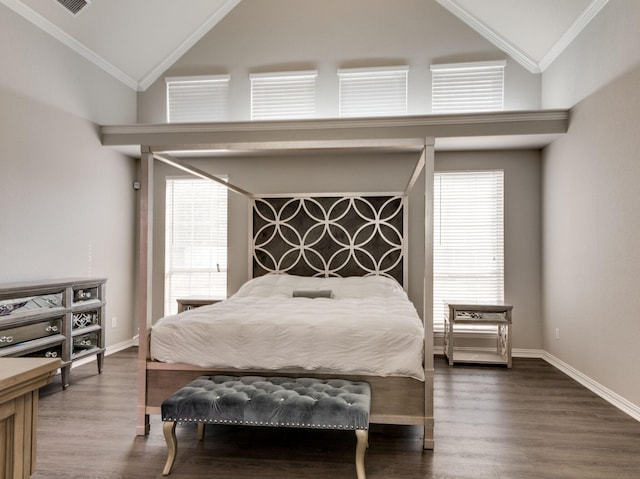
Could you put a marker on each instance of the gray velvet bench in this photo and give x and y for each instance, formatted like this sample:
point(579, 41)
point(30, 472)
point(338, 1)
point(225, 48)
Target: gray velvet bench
point(275, 401)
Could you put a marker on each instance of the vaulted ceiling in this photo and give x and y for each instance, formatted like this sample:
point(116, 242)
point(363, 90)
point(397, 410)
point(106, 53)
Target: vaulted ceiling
point(136, 41)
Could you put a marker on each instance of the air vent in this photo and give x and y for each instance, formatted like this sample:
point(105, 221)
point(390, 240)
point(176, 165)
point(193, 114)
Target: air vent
point(73, 6)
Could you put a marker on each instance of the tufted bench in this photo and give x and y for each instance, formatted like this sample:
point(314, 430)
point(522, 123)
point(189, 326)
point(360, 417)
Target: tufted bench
point(275, 401)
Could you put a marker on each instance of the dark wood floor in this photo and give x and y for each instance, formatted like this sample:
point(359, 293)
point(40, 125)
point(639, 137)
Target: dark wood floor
point(528, 422)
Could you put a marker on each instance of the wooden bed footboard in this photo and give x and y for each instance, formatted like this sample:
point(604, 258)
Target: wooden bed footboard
point(394, 400)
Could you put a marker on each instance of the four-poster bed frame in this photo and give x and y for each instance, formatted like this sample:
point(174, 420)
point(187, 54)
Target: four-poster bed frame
point(396, 400)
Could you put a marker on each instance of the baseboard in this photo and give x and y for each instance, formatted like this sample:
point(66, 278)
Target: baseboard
point(114, 348)
point(605, 393)
point(527, 353)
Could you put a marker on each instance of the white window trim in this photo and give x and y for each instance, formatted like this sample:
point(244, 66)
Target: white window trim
point(468, 66)
point(367, 70)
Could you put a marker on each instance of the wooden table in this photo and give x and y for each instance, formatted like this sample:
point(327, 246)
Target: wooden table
point(497, 315)
point(20, 379)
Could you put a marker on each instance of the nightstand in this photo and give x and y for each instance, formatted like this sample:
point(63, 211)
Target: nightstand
point(192, 302)
point(497, 315)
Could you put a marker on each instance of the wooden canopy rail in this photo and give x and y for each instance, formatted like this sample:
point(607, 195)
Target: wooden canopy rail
point(413, 399)
point(168, 159)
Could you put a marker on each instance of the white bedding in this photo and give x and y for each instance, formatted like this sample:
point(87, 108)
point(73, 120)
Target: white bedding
point(368, 326)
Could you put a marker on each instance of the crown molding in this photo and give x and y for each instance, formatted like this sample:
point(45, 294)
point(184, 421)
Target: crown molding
point(491, 35)
point(164, 65)
point(489, 118)
point(66, 39)
point(574, 30)
point(498, 130)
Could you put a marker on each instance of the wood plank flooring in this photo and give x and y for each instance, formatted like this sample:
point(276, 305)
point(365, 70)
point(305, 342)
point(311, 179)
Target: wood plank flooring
point(528, 422)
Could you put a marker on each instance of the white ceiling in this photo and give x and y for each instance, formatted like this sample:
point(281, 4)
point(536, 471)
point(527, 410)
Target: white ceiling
point(116, 34)
point(134, 40)
point(533, 32)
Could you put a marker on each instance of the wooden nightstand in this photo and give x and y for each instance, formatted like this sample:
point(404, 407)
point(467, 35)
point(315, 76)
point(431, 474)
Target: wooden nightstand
point(192, 302)
point(498, 315)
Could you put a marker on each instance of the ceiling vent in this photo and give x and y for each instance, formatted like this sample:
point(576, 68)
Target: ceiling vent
point(73, 6)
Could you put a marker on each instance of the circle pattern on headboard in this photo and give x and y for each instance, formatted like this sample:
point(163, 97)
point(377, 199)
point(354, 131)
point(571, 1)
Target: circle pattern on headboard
point(329, 236)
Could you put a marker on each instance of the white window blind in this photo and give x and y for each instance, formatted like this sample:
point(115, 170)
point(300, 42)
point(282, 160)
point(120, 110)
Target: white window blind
point(198, 98)
point(373, 92)
point(195, 240)
point(288, 95)
point(468, 240)
point(467, 87)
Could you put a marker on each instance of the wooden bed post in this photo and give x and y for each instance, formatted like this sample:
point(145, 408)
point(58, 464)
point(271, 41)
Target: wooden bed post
point(429, 156)
point(145, 264)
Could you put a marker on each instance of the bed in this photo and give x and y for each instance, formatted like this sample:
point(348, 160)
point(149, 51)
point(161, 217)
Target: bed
point(279, 322)
point(322, 231)
point(327, 299)
point(354, 328)
point(397, 399)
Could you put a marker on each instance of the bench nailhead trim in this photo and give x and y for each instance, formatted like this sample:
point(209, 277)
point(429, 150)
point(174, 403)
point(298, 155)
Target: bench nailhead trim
point(261, 423)
point(267, 386)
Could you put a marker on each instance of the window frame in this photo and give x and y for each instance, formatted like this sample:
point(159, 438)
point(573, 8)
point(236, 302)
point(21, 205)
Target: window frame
point(220, 215)
point(372, 84)
point(472, 87)
point(215, 86)
point(439, 297)
point(286, 104)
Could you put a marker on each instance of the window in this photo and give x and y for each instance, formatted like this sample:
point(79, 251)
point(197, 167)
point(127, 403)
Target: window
point(288, 95)
point(195, 240)
point(198, 98)
point(468, 239)
point(467, 87)
point(373, 92)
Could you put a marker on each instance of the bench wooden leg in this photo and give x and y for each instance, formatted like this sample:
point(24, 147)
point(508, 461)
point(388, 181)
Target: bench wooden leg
point(169, 430)
point(200, 431)
point(362, 435)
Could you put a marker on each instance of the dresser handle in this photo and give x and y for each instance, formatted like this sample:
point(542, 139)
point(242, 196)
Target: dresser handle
point(6, 339)
point(52, 327)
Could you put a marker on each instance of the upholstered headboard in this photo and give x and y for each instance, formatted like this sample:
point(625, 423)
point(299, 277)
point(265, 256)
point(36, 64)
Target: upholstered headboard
point(347, 235)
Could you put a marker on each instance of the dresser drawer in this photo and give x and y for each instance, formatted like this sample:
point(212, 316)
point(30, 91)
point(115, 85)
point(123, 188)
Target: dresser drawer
point(50, 352)
point(85, 319)
point(85, 342)
point(29, 332)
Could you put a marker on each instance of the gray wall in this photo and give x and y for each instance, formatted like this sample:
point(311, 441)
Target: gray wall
point(66, 203)
point(591, 210)
point(67, 207)
point(305, 173)
point(260, 36)
point(605, 50)
point(282, 35)
point(522, 236)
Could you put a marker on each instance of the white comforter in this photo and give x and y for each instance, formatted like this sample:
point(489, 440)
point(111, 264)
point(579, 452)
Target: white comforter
point(368, 327)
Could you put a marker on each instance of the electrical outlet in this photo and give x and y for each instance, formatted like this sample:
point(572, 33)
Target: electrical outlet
point(557, 333)
point(114, 322)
